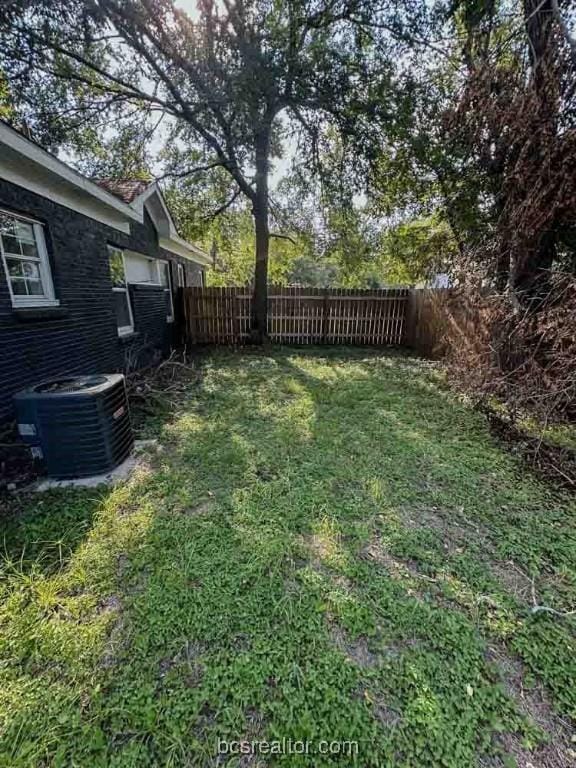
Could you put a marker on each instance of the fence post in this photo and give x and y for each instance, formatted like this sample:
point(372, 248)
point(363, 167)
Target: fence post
point(236, 325)
point(412, 304)
point(325, 301)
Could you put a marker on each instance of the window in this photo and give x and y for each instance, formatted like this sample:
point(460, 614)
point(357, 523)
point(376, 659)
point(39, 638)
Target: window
point(140, 269)
point(165, 281)
point(122, 307)
point(25, 261)
point(181, 276)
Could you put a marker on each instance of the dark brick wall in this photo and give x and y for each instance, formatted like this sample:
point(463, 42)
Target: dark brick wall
point(153, 336)
point(80, 336)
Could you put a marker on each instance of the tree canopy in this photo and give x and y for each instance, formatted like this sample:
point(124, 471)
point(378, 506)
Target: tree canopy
point(226, 81)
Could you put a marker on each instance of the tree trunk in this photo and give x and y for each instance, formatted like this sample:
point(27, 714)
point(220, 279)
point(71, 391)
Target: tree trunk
point(260, 210)
point(530, 278)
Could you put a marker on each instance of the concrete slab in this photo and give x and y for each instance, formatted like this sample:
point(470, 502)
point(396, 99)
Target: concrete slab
point(120, 474)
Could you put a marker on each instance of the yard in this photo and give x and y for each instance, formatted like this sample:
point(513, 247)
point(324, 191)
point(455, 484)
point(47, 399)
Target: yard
point(328, 546)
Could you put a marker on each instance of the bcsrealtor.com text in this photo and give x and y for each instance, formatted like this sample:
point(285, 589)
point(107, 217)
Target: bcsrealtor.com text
point(286, 747)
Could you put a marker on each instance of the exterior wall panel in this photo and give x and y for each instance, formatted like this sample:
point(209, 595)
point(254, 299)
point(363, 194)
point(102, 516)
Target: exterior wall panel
point(80, 335)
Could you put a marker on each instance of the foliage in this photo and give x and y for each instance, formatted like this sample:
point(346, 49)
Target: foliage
point(327, 546)
point(526, 364)
point(418, 249)
point(515, 115)
point(222, 80)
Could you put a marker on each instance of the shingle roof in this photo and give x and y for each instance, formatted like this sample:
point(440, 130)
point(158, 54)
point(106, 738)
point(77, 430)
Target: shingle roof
point(125, 189)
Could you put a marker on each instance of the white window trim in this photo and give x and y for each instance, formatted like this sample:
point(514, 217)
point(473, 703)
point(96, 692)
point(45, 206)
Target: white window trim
point(170, 317)
point(123, 330)
point(181, 275)
point(24, 302)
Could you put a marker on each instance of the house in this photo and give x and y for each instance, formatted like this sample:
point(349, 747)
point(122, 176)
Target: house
point(90, 270)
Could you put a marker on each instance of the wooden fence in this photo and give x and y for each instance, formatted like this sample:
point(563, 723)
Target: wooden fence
point(429, 320)
point(299, 315)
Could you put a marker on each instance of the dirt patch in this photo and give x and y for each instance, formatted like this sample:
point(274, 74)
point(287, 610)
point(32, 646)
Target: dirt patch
point(453, 527)
point(516, 583)
point(356, 651)
point(321, 548)
point(205, 720)
point(253, 732)
point(111, 603)
point(165, 666)
point(266, 474)
point(186, 662)
point(200, 509)
point(400, 570)
point(534, 703)
point(17, 467)
point(158, 389)
point(117, 637)
point(384, 713)
point(546, 756)
point(241, 642)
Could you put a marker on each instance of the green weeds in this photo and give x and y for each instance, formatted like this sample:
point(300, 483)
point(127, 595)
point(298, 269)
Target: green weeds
point(328, 546)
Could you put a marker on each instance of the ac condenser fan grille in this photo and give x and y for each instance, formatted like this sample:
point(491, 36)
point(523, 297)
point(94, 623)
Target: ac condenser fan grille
point(69, 385)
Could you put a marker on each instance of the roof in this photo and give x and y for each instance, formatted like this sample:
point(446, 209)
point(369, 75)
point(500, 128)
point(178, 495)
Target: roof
point(114, 202)
point(126, 190)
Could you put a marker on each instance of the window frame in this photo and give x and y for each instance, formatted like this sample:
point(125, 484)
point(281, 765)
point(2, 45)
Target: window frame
point(181, 275)
point(48, 299)
point(168, 288)
point(123, 330)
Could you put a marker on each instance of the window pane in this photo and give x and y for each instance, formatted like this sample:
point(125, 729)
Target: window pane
point(24, 231)
point(11, 244)
point(29, 249)
point(35, 288)
point(23, 259)
point(19, 287)
point(164, 274)
point(6, 224)
point(152, 271)
point(15, 267)
point(121, 308)
point(116, 268)
point(30, 269)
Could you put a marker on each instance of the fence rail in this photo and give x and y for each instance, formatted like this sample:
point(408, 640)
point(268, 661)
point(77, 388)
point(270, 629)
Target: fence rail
point(299, 315)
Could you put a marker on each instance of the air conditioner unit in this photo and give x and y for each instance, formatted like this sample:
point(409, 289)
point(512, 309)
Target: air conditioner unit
point(79, 426)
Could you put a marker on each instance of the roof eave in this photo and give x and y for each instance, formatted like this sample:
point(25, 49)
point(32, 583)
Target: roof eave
point(34, 152)
point(186, 250)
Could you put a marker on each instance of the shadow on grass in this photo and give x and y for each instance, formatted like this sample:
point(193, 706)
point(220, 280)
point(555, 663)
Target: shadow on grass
point(43, 531)
point(248, 606)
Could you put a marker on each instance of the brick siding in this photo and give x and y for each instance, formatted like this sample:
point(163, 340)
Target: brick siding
point(80, 336)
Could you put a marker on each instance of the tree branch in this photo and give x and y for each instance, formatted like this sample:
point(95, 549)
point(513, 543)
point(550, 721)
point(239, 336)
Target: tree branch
point(564, 27)
point(280, 236)
point(224, 207)
point(190, 171)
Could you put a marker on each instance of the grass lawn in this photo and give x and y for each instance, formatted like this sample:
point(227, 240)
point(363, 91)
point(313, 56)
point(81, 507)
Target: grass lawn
point(328, 547)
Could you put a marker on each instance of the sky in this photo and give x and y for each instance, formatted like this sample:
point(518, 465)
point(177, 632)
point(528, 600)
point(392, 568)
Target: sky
point(189, 6)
